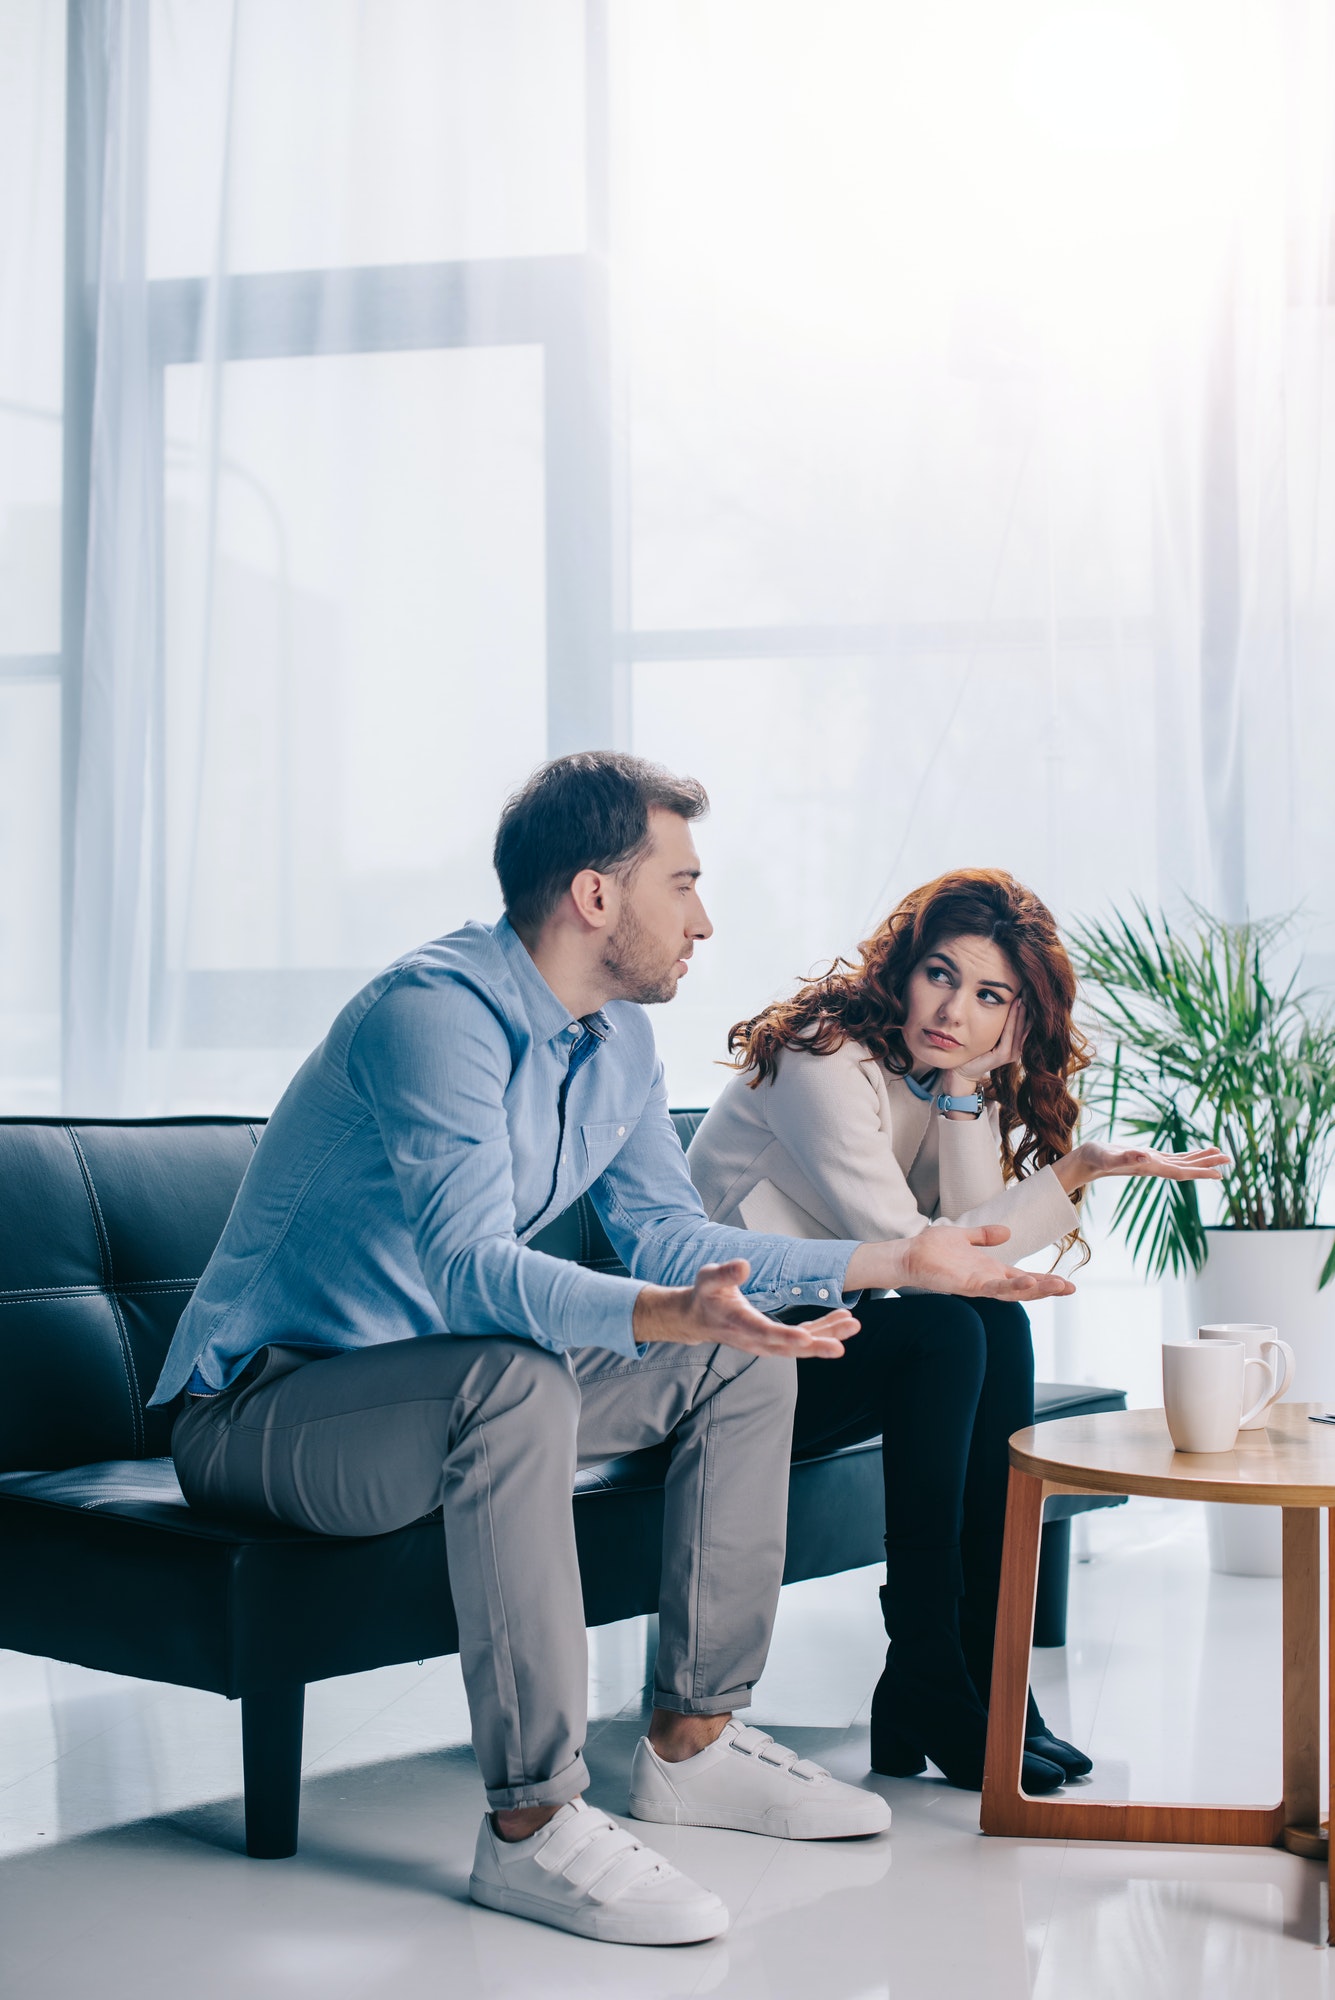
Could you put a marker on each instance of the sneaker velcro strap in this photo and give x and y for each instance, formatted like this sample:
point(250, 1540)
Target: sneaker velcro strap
point(755, 1743)
point(581, 1830)
point(601, 1858)
point(596, 1856)
point(632, 1871)
point(609, 1861)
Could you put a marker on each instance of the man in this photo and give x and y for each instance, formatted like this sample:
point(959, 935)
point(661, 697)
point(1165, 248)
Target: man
point(372, 1339)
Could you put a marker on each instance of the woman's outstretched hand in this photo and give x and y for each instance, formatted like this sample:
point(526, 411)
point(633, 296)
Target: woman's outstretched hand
point(1093, 1161)
point(949, 1258)
point(944, 1258)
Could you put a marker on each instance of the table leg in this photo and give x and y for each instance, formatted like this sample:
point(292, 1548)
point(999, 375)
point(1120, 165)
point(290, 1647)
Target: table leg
point(1302, 1679)
point(1330, 1723)
point(1007, 1809)
point(1002, 1796)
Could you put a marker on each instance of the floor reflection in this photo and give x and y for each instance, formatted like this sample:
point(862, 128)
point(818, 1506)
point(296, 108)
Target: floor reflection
point(121, 1823)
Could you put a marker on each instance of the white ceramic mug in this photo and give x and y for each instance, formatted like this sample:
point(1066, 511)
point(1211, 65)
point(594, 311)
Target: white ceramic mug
point(1256, 1340)
point(1203, 1387)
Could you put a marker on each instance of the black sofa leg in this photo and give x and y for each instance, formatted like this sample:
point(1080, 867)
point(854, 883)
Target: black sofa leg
point(271, 1764)
point(1054, 1573)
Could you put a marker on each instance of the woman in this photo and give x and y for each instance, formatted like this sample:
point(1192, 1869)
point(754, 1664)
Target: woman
point(927, 1083)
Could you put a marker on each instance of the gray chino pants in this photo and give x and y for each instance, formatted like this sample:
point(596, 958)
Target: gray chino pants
point(493, 1429)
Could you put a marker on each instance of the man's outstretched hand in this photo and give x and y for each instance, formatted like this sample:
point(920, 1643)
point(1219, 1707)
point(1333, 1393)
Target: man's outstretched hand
point(947, 1259)
point(713, 1311)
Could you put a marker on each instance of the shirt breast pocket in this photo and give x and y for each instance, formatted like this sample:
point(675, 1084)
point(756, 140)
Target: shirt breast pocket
point(602, 1142)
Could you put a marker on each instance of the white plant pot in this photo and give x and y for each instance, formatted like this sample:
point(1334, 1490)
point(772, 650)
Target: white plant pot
point(1268, 1277)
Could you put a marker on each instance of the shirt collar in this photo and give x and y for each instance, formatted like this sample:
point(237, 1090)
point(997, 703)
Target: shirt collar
point(549, 1017)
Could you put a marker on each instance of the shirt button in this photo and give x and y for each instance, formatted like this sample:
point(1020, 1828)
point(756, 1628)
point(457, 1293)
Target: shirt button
point(797, 1291)
point(621, 1131)
point(822, 1293)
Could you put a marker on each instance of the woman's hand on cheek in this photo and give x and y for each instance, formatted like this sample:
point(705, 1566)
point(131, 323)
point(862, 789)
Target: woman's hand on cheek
point(1007, 1051)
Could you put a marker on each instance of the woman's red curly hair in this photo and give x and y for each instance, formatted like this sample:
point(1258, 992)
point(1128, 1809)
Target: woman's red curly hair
point(864, 1001)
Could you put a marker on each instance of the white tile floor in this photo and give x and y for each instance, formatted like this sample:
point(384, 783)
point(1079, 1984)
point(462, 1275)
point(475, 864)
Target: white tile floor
point(122, 1872)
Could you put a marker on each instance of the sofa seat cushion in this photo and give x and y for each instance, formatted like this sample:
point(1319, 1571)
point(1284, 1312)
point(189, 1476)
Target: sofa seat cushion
point(1073, 1399)
point(107, 1566)
point(147, 1490)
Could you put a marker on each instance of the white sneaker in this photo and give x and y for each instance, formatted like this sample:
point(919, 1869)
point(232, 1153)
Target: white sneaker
point(750, 1783)
point(584, 1873)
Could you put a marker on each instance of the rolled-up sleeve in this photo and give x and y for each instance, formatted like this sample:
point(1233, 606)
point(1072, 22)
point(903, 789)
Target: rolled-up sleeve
point(656, 1221)
point(433, 1071)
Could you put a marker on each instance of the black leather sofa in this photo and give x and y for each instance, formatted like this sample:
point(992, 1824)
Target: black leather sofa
point(105, 1227)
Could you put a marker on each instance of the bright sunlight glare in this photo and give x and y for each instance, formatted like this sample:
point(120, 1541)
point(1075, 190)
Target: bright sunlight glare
point(1100, 80)
point(862, 173)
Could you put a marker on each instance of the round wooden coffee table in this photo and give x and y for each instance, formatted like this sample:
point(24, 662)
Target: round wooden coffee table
point(1290, 1464)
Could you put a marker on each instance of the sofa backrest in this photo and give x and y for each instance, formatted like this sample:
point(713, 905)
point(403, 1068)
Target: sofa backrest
point(105, 1228)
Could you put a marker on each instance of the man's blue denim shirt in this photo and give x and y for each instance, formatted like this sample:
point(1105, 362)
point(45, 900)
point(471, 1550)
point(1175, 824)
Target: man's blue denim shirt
point(438, 1125)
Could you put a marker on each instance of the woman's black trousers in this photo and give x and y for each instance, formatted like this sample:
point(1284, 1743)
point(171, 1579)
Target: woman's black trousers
point(945, 1381)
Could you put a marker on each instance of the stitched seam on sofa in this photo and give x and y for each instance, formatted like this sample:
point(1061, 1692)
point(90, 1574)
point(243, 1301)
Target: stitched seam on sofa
point(254, 1135)
point(132, 1373)
point(122, 1331)
point(49, 1294)
point(39, 1294)
point(104, 1251)
point(188, 1526)
point(95, 1207)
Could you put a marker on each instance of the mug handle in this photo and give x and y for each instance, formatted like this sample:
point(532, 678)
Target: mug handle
point(1268, 1394)
point(1281, 1347)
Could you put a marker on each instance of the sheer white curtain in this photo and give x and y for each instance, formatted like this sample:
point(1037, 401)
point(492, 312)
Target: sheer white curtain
point(981, 430)
point(32, 125)
point(918, 425)
point(342, 277)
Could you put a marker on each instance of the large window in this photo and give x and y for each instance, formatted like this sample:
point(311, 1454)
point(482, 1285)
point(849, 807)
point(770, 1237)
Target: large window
point(349, 364)
point(32, 126)
point(916, 425)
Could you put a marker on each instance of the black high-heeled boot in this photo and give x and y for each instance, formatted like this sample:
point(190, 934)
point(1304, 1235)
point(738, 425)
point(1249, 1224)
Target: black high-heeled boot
point(925, 1704)
point(977, 1636)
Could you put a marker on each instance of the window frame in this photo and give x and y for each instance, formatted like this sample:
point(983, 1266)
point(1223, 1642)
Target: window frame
point(557, 303)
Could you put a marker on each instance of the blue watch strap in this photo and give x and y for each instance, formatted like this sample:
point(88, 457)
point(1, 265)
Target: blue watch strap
point(973, 1103)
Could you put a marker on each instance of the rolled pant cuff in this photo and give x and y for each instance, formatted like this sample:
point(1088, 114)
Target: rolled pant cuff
point(709, 1704)
point(557, 1791)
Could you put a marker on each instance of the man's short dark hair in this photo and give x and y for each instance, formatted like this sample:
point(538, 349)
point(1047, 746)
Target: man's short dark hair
point(588, 810)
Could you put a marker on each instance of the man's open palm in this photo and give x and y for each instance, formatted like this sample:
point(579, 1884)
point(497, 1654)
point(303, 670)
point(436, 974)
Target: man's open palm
point(714, 1311)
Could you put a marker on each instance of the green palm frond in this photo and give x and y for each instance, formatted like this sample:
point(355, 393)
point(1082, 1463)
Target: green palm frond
point(1202, 1047)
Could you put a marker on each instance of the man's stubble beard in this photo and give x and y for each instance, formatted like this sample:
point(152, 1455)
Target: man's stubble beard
point(631, 959)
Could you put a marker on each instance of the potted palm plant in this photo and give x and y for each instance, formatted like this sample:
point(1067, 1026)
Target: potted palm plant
point(1200, 1044)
